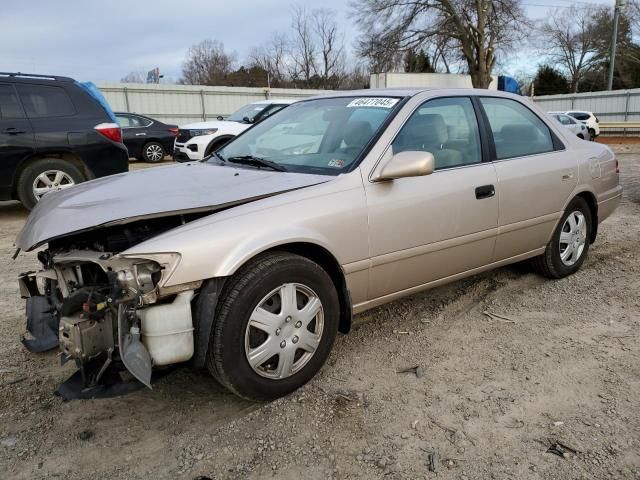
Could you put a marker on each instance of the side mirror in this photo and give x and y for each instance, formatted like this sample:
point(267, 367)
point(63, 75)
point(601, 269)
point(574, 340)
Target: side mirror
point(406, 164)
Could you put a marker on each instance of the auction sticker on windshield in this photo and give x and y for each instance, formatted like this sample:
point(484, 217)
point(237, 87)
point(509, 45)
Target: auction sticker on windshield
point(382, 102)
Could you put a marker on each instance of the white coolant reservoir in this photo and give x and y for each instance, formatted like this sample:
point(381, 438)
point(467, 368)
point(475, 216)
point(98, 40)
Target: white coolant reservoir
point(167, 330)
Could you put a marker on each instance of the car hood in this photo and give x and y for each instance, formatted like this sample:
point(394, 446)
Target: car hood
point(203, 125)
point(152, 192)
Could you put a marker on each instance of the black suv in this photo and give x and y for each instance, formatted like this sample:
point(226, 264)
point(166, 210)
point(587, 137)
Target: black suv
point(54, 132)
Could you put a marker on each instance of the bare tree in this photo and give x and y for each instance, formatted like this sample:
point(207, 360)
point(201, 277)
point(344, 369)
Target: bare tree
point(303, 46)
point(479, 29)
point(569, 41)
point(330, 66)
point(207, 63)
point(272, 57)
point(134, 77)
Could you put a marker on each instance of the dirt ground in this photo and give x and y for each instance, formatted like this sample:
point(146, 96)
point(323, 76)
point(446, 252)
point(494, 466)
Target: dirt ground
point(491, 395)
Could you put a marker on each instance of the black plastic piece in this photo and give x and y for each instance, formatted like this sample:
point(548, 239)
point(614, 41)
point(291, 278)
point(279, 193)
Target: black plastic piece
point(116, 381)
point(42, 324)
point(205, 310)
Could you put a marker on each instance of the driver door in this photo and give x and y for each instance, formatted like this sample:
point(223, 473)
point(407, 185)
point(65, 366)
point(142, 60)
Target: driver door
point(422, 229)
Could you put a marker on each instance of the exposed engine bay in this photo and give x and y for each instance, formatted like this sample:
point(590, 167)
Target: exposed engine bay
point(104, 308)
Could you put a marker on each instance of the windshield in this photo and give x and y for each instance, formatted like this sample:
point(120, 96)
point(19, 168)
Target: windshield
point(250, 112)
point(323, 136)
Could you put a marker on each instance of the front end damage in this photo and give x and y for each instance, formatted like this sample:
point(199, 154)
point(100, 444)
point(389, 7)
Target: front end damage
point(106, 310)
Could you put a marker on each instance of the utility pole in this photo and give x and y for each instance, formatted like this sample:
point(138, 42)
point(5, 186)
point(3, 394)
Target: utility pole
point(614, 39)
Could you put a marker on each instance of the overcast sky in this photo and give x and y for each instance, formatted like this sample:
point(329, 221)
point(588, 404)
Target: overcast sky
point(103, 41)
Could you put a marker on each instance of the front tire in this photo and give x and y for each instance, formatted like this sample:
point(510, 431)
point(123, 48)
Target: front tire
point(274, 328)
point(44, 176)
point(153, 152)
point(569, 245)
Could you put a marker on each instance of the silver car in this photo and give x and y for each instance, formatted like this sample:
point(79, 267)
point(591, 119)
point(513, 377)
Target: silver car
point(250, 263)
point(579, 129)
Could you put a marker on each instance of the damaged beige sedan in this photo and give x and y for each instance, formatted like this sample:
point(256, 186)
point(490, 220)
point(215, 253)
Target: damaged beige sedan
point(250, 262)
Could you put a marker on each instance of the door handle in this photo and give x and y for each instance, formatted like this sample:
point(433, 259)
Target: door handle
point(485, 191)
point(13, 131)
point(567, 175)
point(139, 134)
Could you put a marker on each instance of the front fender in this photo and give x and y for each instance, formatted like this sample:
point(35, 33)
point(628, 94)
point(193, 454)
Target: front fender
point(331, 215)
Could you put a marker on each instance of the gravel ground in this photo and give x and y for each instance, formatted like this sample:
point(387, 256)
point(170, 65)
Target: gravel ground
point(489, 398)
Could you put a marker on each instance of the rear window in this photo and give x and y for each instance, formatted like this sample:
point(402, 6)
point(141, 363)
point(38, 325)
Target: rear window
point(9, 104)
point(42, 101)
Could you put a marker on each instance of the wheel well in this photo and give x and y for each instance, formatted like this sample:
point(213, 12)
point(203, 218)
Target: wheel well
point(217, 141)
point(327, 261)
point(593, 207)
point(69, 157)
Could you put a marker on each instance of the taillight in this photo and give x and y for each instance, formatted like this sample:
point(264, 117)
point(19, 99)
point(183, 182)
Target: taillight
point(110, 130)
point(617, 166)
point(174, 131)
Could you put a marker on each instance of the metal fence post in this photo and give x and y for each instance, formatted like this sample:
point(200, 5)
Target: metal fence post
point(573, 101)
point(204, 111)
point(126, 99)
point(626, 111)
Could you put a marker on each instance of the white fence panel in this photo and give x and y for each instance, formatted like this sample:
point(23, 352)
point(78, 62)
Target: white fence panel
point(617, 105)
point(182, 104)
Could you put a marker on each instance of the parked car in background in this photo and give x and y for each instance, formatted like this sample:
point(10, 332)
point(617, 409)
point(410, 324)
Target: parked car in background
point(579, 129)
point(54, 133)
point(147, 139)
point(197, 140)
point(589, 119)
point(249, 264)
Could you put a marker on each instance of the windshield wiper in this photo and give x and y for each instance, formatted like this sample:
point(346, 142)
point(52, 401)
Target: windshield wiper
point(216, 155)
point(257, 162)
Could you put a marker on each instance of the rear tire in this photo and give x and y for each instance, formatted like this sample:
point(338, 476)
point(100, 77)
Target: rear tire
point(254, 314)
point(28, 180)
point(559, 261)
point(153, 152)
point(592, 133)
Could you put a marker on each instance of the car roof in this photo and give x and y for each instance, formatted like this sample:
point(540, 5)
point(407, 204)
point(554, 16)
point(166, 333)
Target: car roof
point(580, 111)
point(412, 91)
point(31, 77)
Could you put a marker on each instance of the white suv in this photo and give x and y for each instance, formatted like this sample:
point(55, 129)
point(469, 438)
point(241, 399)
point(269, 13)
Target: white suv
point(589, 119)
point(197, 140)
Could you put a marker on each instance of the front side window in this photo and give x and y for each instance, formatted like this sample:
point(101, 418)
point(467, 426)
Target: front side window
point(9, 104)
point(45, 101)
point(248, 113)
point(324, 136)
point(445, 127)
point(517, 131)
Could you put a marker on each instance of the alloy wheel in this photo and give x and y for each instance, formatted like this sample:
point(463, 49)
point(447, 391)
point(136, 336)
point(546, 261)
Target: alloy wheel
point(154, 153)
point(50, 181)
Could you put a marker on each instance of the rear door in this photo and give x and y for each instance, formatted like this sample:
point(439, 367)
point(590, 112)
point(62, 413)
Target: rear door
point(134, 132)
point(16, 137)
point(535, 173)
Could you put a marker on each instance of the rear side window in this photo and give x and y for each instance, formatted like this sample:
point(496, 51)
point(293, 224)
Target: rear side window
point(42, 101)
point(517, 131)
point(9, 104)
point(580, 116)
